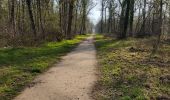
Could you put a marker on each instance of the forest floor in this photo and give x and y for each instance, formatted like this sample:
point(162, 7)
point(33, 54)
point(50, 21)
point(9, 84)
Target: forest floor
point(71, 79)
point(19, 66)
point(129, 73)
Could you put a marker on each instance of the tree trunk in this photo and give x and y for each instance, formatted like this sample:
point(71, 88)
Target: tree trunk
point(143, 28)
point(157, 43)
point(102, 13)
point(126, 21)
point(84, 4)
point(69, 30)
point(131, 17)
point(40, 17)
point(12, 16)
point(31, 17)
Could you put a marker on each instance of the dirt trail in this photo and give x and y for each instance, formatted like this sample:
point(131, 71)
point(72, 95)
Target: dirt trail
point(71, 79)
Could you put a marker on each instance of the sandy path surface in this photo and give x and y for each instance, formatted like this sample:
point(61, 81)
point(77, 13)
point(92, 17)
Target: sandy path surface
point(71, 79)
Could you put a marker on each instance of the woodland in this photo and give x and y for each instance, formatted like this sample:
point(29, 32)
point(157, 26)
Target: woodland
point(30, 22)
point(134, 50)
point(131, 39)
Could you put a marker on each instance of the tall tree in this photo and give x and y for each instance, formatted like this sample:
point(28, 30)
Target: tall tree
point(71, 7)
point(31, 17)
point(84, 16)
point(12, 15)
point(124, 18)
point(132, 4)
point(102, 14)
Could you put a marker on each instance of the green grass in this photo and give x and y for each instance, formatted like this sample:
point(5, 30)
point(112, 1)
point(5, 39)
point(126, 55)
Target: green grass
point(19, 66)
point(128, 74)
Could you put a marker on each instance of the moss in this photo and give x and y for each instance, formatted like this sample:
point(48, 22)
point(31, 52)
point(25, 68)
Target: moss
point(127, 75)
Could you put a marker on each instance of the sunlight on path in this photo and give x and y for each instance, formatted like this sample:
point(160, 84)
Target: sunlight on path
point(71, 79)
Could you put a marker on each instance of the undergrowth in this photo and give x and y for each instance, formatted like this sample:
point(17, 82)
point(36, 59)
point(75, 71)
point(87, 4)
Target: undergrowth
point(128, 72)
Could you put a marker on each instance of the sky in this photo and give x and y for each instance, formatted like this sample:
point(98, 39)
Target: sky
point(95, 13)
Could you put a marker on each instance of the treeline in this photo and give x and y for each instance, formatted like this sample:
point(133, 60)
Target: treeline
point(27, 22)
point(134, 18)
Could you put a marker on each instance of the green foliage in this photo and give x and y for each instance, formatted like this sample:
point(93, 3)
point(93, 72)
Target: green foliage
point(19, 66)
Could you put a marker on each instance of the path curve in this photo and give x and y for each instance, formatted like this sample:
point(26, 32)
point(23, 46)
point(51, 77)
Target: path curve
point(71, 79)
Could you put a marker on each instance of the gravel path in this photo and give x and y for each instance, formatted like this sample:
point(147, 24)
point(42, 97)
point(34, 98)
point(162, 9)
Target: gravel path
point(71, 79)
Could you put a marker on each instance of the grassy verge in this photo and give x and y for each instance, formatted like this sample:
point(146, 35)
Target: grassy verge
point(128, 74)
point(19, 66)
